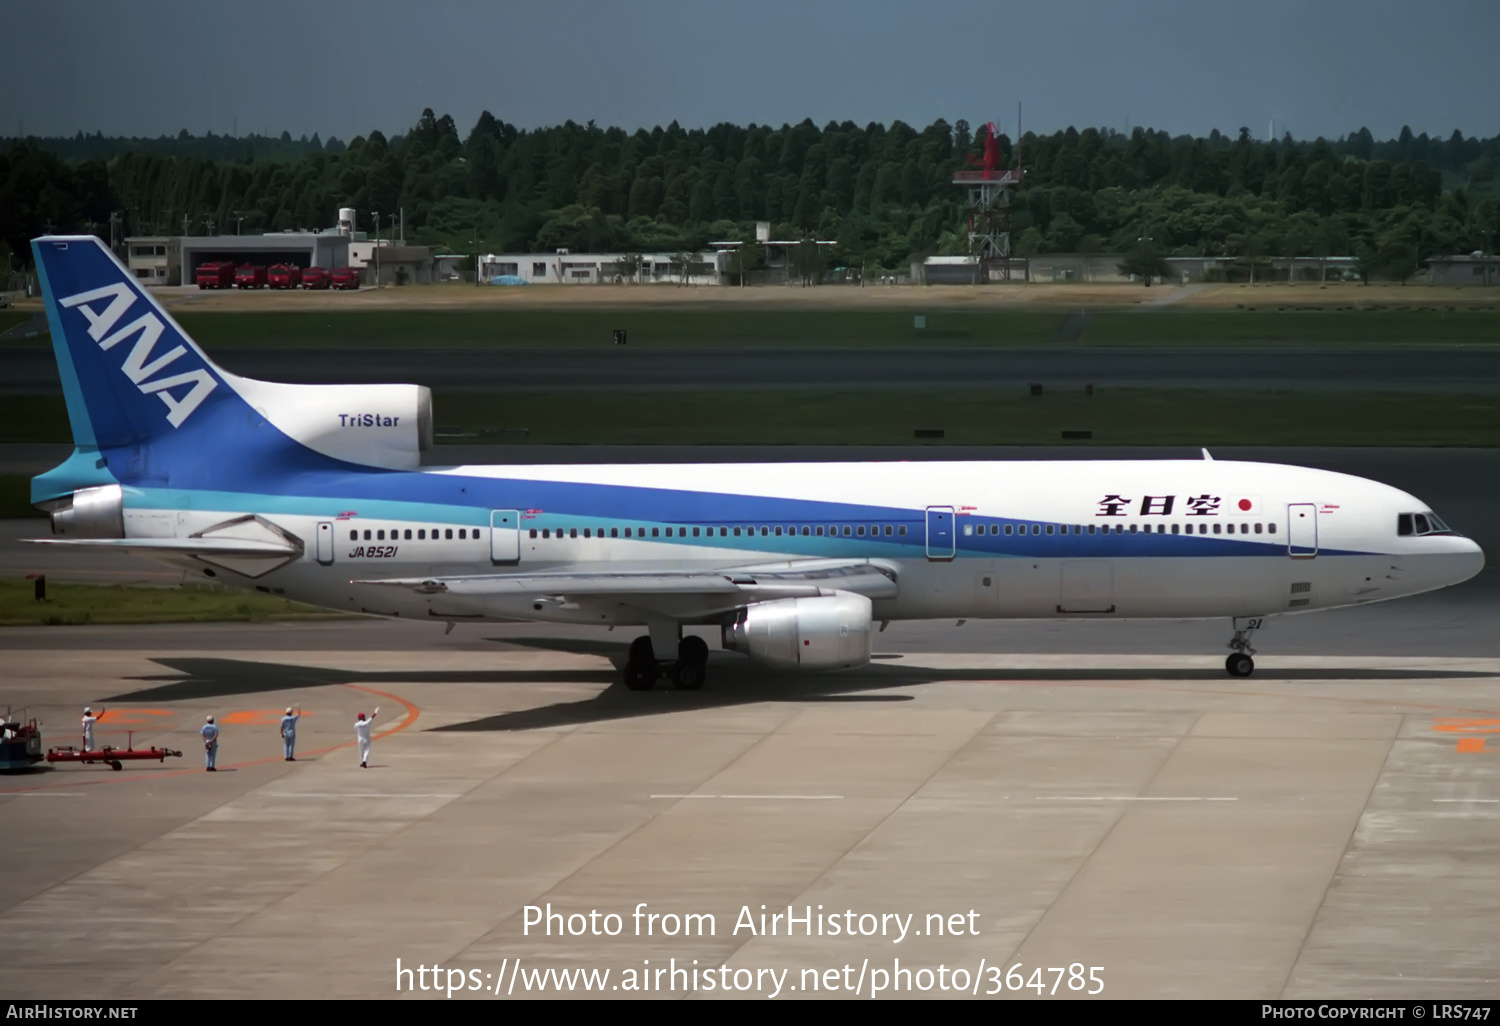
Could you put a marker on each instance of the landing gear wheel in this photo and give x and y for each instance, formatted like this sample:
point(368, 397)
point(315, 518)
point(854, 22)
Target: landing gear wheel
point(1239, 665)
point(115, 764)
point(692, 664)
point(641, 670)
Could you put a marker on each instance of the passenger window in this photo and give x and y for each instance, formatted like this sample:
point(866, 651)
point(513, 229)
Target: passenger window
point(1218, 528)
point(778, 530)
point(1049, 528)
point(533, 532)
point(765, 532)
point(901, 530)
point(448, 533)
point(818, 530)
point(968, 530)
point(860, 530)
point(655, 532)
point(1008, 529)
point(354, 536)
point(736, 532)
point(889, 530)
point(422, 534)
point(723, 532)
point(1036, 528)
point(614, 532)
point(1270, 528)
point(848, 530)
point(367, 534)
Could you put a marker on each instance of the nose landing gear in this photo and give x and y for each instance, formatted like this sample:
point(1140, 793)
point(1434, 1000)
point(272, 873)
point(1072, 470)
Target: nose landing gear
point(1240, 664)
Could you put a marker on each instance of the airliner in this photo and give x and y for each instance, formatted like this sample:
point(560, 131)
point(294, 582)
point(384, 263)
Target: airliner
point(319, 493)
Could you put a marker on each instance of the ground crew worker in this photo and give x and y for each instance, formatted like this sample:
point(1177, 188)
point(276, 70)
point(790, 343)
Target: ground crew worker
point(289, 732)
point(89, 719)
point(210, 743)
point(362, 735)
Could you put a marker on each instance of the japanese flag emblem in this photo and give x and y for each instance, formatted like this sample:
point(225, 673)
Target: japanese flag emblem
point(1242, 505)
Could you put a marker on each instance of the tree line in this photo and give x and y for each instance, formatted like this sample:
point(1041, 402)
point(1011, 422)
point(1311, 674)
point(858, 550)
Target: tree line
point(884, 193)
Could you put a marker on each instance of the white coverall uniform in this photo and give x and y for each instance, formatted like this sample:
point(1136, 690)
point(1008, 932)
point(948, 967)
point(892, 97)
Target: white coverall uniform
point(362, 735)
point(88, 732)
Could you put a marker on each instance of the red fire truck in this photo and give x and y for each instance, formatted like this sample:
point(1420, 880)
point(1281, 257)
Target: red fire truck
point(345, 278)
point(315, 277)
point(250, 276)
point(284, 276)
point(216, 274)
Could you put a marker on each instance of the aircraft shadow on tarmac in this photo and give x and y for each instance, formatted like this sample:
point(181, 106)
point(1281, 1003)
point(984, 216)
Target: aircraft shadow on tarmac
point(732, 682)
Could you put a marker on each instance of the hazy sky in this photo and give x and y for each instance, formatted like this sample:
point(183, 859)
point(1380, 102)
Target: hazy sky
point(1317, 68)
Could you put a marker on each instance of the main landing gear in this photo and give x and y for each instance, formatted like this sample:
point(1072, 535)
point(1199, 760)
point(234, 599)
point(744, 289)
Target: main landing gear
point(642, 668)
point(1240, 664)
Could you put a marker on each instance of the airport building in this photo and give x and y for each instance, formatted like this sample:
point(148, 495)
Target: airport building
point(565, 268)
point(155, 259)
point(1477, 268)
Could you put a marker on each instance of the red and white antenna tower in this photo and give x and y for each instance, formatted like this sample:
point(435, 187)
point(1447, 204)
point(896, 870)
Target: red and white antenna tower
point(989, 185)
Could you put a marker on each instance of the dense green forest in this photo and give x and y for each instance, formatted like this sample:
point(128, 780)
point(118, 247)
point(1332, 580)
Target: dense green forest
point(885, 193)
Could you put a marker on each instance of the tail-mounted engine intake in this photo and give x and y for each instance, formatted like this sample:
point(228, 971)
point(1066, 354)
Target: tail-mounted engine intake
point(97, 512)
point(831, 632)
point(386, 426)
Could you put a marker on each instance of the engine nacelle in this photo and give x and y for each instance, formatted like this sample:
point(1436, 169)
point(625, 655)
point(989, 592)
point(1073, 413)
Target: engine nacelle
point(97, 512)
point(830, 632)
point(387, 426)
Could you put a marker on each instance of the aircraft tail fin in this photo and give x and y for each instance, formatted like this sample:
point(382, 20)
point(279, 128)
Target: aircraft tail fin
point(146, 404)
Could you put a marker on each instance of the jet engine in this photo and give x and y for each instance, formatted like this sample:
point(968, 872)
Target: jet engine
point(830, 632)
point(97, 512)
point(386, 426)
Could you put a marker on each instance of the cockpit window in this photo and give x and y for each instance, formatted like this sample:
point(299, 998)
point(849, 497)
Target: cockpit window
point(1420, 523)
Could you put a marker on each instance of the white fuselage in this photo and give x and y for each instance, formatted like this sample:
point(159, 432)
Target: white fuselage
point(1095, 539)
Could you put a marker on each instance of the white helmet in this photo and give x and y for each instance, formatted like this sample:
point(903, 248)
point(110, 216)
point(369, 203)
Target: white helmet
point(288, 710)
point(210, 719)
point(88, 711)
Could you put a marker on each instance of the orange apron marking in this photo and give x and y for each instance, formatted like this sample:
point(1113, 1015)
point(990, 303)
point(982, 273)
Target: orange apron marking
point(1456, 725)
point(119, 717)
point(255, 717)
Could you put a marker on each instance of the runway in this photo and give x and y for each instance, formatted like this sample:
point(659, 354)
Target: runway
point(31, 370)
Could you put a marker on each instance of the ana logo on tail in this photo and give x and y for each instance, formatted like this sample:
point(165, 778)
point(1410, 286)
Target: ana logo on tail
point(148, 329)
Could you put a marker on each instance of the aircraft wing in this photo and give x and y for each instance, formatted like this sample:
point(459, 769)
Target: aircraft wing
point(729, 587)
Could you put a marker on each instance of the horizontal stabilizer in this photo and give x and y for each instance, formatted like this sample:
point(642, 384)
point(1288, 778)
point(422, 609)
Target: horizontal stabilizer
point(175, 546)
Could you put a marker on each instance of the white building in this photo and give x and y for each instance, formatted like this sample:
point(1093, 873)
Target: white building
point(565, 268)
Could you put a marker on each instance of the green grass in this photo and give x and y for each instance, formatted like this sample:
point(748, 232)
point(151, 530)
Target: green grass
point(657, 327)
point(1262, 326)
point(10, 318)
point(15, 498)
point(646, 326)
point(974, 417)
point(103, 603)
point(34, 418)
